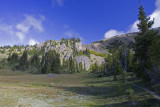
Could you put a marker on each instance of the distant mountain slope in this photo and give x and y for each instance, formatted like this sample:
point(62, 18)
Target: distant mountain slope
point(127, 39)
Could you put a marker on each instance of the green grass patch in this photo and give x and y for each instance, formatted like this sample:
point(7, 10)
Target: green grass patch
point(98, 54)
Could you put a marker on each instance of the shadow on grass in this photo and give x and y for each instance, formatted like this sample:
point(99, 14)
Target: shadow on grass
point(97, 91)
point(142, 103)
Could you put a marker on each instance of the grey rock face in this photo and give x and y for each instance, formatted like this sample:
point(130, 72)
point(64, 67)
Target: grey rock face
point(78, 46)
point(39, 46)
point(95, 47)
point(85, 60)
point(62, 48)
point(97, 59)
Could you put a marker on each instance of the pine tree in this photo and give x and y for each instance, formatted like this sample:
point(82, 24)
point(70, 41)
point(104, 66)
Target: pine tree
point(80, 67)
point(84, 67)
point(109, 61)
point(35, 60)
point(77, 69)
point(155, 51)
point(23, 64)
point(50, 62)
point(129, 61)
point(143, 42)
point(144, 38)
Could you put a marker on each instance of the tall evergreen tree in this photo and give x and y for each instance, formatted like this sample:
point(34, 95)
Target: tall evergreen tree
point(23, 64)
point(143, 42)
point(109, 61)
point(144, 38)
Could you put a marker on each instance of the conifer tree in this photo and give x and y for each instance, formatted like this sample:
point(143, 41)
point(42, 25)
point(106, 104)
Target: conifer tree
point(143, 42)
point(129, 61)
point(77, 69)
point(109, 61)
point(50, 62)
point(23, 64)
point(144, 38)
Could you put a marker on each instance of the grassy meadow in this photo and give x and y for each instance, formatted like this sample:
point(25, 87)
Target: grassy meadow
point(19, 89)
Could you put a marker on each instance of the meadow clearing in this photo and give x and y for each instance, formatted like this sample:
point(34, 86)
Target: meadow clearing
point(19, 89)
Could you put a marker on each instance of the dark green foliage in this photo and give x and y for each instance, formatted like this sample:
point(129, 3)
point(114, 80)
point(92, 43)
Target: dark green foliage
point(94, 68)
point(13, 57)
point(65, 65)
point(13, 61)
point(102, 68)
point(146, 46)
point(145, 37)
point(35, 60)
point(50, 62)
point(67, 40)
point(77, 69)
point(80, 67)
point(23, 64)
point(145, 24)
point(109, 62)
point(154, 51)
point(116, 44)
point(130, 94)
point(120, 61)
point(82, 53)
point(72, 65)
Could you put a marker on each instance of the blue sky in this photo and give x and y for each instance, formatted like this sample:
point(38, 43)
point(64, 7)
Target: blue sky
point(34, 21)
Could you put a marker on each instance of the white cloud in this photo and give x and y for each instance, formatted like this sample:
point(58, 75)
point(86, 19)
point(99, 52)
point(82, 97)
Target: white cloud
point(133, 28)
point(27, 24)
point(156, 16)
point(32, 42)
point(20, 35)
point(112, 33)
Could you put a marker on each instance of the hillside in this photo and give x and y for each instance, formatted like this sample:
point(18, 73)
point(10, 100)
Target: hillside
point(83, 55)
point(66, 48)
point(102, 45)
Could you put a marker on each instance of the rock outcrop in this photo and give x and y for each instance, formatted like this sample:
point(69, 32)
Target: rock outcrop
point(84, 60)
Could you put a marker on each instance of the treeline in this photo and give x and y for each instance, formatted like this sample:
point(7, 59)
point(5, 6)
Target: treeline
point(49, 63)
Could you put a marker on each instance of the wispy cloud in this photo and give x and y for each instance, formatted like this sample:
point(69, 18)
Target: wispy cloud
point(57, 2)
point(22, 28)
point(27, 24)
point(69, 33)
point(133, 28)
point(66, 26)
point(7, 28)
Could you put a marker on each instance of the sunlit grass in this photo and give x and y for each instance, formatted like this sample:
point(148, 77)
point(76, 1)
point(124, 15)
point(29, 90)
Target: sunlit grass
point(68, 90)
